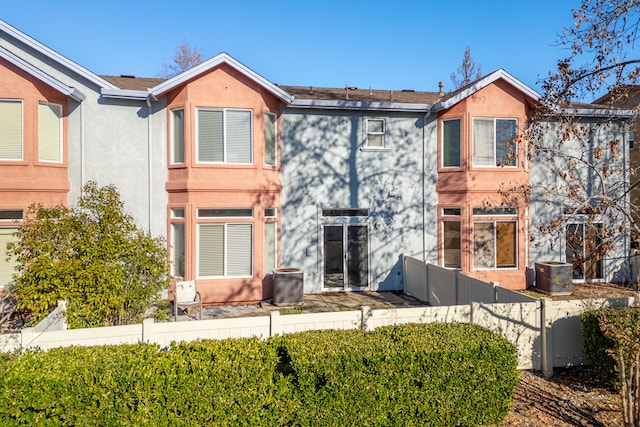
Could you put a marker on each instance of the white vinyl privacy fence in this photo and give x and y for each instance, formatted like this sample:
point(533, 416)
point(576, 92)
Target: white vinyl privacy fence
point(546, 333)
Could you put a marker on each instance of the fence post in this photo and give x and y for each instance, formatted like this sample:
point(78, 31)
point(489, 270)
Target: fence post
point(495, 291)
point(546, 335)
point(147, 330)
point(365, 315)
point(274, 326)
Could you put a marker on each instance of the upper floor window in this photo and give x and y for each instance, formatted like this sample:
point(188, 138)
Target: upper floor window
point(49, 132)
point(10, 130)
point(177, 136)
point(375, 133)
point(493, 142)
point(224, 136)
point(451, 143)
point(270, 139)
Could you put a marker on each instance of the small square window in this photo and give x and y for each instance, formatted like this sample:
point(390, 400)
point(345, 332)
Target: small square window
point(375, 133)
point(452, 211)
point(271, 212)
point(177, 213)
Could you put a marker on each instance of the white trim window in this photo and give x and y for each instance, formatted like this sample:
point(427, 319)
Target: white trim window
point(177, 242)
point(495, 245)
point(452, 244)
point(11, 147)
point(177, 136)
point(224, 136)
point(49, 132)
point(451, 143)
point(375, 133)
point(494, 142)
point(7, 267)
point(270, 139)
point(270, 240)
point(225, 249)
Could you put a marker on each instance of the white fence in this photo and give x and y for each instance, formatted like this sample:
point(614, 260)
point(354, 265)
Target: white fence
point(546, 333)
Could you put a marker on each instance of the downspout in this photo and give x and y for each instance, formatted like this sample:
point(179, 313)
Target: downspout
point(82, 160)
point(424, 182)
point(149, 158)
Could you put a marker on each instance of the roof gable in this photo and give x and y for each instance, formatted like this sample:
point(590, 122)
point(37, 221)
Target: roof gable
point(54, 56)
point(466, 91)
point(41, 75)
point(222, 58)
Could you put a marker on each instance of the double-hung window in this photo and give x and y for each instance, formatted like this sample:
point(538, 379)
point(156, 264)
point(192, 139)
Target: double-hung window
point(452, 237)
point(49, 132)
point(270, 139)
point(10, 129)
point(225, 247)
point(270, 240)
point(375, 133)
point(495, 240)
point(177, 136)
point(494, 142)
point(224, 136)
point(451, 143)
point(7, 235)
point(177, 242)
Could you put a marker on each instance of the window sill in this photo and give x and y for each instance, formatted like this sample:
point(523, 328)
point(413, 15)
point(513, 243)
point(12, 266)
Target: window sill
point(373, 149)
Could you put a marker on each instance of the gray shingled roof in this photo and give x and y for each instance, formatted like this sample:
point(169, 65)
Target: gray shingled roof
point(361, 95)
point(133, 83)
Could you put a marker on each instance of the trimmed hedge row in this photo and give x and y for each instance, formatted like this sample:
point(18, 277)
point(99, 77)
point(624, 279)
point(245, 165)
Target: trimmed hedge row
point(435, 374)
point(597, 346)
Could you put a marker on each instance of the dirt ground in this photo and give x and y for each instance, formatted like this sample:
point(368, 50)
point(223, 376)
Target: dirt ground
point(572, 397)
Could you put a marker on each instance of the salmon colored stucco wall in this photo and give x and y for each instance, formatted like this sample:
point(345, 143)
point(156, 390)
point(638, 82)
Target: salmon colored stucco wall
point(28, 181)
point(192, 185)
point(467, 186)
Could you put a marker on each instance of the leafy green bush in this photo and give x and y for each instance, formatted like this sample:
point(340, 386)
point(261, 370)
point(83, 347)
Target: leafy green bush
point(92, 255)
point(413, 375)
point(596, 345)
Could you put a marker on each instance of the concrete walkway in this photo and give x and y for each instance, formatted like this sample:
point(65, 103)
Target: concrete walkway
point(328, 301)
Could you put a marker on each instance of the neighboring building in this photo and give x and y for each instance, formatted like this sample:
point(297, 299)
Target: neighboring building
point(243, 176)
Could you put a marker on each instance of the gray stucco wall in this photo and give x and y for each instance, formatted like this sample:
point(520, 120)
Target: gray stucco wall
point(549, 198)
point(325, 165)
point(108, 142)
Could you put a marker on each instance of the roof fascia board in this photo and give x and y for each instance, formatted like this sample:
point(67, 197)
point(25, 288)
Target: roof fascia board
point(138, 95)
point(359, 105)
point(214, 62)
point(42, 76)
point(39, 47)
point(484, 82)
point(598, 112)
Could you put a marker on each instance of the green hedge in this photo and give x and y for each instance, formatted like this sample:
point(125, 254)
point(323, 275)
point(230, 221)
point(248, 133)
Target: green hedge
point(597, 345)
point(436, 374)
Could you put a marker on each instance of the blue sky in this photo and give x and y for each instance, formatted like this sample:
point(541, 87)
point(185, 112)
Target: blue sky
point(398, 44)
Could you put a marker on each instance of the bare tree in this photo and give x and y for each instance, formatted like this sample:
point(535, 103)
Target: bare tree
point(578, 188)
point(185, 58)
point(467, 72)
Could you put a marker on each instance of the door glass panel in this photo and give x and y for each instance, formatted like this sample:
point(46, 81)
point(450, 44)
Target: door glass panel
point(333, 257)
point(575, 249)
point(593, 258)
point(358, 259)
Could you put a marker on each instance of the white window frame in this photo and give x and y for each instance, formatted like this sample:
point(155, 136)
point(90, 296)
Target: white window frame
point(11, 230)
point(383, 146)
point(495, 243)
point(60, 133)
point(459, 120)
point(226, 252)
point(173, 248)
point(275, 138)
point(274, 248)
point(2, 100)
point(173, 136)
point(495, 145)
point(224, 135)
point(455, 219)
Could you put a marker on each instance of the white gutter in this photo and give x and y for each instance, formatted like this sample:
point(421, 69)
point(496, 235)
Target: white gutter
point(55, 56)
point(56, 84)
point(136, 95)
point(360, 105)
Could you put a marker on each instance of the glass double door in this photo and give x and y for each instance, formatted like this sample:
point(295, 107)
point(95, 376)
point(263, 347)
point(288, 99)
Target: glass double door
point(345, 256)
point(584, 251)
